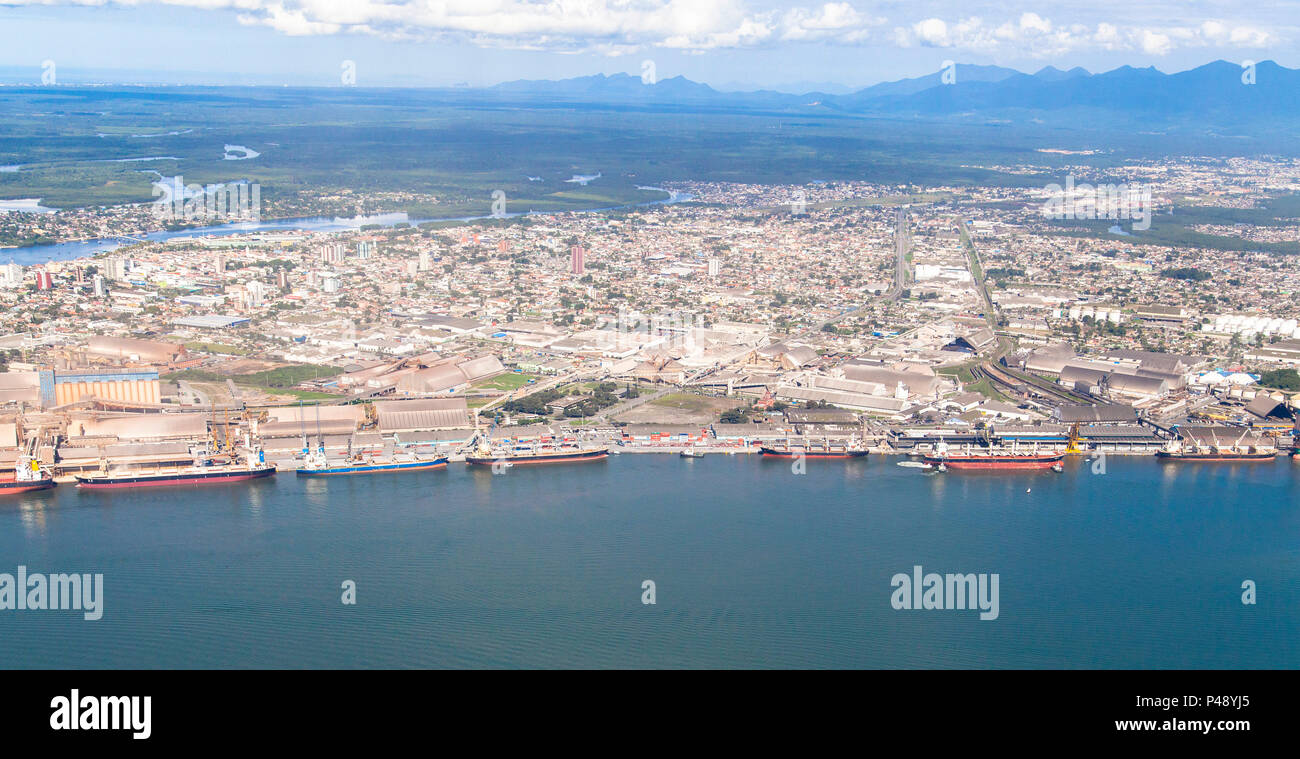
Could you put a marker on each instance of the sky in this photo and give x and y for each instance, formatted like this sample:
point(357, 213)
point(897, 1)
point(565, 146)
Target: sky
point(730, 44)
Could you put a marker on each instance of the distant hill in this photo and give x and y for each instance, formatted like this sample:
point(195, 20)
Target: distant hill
point(1209, 98)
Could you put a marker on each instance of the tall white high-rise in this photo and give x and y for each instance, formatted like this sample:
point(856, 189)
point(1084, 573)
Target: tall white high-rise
point(13, 275)
point(255, 293)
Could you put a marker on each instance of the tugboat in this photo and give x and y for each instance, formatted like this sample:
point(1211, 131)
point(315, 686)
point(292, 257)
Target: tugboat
point(28, 475)
point(204, 471)
point(823, 450)
point(991, 459)
point(315, 464)
point(691, 453)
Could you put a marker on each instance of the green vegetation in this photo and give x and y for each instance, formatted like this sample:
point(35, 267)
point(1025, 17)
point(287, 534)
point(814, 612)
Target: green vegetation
point(279, 380)
point(734, 416)
point(1177, 229)
point(684, 401)
point(229, 350)
point(451, 150)
point(1186, 272)
point(1282, 379)
point(504, 382)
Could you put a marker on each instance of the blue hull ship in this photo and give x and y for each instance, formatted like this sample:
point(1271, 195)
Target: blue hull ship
point(373, 468)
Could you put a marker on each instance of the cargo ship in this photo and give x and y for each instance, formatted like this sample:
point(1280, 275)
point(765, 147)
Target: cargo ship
point(1205, 445)
point(28, 475)
point(535, 454)
point(1178, 450)
point(204, 471)
point(993, 459)
point(317, 465)
point(812, 450)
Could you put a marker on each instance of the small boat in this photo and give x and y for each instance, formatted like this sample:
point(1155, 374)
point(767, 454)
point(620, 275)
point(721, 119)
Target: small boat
point(28, 475)
point(1058, 468)
point(691, 453)
point(914, 465)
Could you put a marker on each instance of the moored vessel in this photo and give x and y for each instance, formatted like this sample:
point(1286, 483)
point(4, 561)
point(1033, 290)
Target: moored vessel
point(204, 471)
point(824, 449)
point(28, 475)
point(992, 459)
point(526, 455)
point(317, 465)
point(1198, 448)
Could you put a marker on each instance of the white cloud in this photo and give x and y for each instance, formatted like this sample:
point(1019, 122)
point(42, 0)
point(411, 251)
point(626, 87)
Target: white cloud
point(1032, 22)
point(1154, 43)
point(618, 27)
point(840, 22)
point(1036, 36)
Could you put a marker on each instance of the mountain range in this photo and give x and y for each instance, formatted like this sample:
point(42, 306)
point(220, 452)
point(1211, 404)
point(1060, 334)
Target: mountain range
point(1214, 97)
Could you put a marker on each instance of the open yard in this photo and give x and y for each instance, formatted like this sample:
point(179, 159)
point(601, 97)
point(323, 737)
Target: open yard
point(679, 408)
point(504, 382)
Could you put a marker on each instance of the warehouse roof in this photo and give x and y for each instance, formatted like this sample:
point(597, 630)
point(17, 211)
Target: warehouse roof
point(1113, 413)
point(428, 414)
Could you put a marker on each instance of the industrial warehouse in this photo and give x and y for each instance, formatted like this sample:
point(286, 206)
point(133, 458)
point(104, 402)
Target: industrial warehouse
point(134, 404)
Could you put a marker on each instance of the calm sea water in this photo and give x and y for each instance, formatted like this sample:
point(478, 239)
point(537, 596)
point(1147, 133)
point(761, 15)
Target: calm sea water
point(754, 567)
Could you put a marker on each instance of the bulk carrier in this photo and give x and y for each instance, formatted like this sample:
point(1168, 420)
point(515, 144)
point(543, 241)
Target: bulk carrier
point(315, 464)
point(1188, 451)
point(204, 471)
point(813, 450)
point(993, 459)
point(526, 455)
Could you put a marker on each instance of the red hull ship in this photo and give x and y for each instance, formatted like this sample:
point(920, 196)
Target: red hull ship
point(968, 458)
point(537, 457)
point(14, 487)
point(28, 475)
point(997, 460)
point(106, 482)
point(205, 471)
